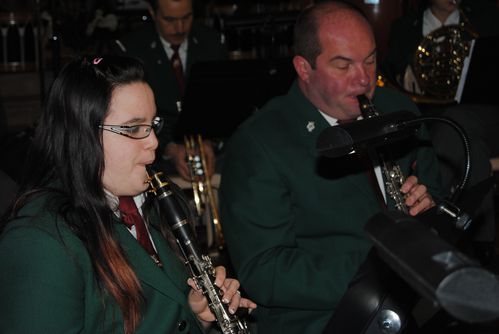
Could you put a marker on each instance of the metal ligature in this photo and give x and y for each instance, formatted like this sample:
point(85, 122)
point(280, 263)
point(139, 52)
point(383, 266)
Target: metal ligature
point(366, 106)
point(394, 178)
point(204, 198)
point(200, 266)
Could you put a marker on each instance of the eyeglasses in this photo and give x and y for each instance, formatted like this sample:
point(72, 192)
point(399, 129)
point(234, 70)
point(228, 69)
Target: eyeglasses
point(138, 131)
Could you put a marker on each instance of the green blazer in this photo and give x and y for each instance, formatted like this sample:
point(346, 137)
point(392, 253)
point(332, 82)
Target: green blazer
point(204, 45)
point(47, 282)
point(293, 221)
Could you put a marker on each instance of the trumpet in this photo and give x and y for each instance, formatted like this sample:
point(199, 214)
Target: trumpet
point(204, 198)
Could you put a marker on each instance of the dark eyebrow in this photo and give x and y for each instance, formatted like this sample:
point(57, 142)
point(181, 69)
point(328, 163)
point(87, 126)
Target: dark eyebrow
point(373, 52)
point(339, 58)
point(139, 120)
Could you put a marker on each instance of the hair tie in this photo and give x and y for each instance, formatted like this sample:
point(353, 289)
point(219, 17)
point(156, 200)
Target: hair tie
point(97, 61)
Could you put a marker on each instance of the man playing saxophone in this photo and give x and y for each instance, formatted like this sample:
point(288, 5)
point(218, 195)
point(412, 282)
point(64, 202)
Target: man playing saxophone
point(293, 221)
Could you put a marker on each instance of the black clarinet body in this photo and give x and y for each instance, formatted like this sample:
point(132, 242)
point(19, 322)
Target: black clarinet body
point(200, 266)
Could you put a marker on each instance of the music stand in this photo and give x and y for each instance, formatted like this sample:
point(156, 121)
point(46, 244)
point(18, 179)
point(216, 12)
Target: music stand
point(220, 95)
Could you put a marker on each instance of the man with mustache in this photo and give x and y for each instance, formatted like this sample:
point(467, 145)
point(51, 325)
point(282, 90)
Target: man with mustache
point(173, 28)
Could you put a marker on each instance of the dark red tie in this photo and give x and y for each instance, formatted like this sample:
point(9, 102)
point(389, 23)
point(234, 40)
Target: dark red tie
point(177, 68)
point(131, 217)
point(369, 168)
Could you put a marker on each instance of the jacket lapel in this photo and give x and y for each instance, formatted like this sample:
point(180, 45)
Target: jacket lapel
point(173, 267)
point(306, 118)
point(194, 52)
point(162, 280)
point(163, 65)
point(310, 123)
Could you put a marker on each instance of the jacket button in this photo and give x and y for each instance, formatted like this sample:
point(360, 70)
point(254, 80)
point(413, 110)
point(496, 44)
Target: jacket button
point(182, 325)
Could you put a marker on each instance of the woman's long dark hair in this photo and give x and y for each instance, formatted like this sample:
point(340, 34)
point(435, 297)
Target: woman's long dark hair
point(67, 160)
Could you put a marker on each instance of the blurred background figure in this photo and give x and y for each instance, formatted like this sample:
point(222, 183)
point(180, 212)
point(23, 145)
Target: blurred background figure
point(438, 29)
point(168, 47)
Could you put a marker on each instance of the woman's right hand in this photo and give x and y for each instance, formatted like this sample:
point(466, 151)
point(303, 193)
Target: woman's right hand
point(230, 296)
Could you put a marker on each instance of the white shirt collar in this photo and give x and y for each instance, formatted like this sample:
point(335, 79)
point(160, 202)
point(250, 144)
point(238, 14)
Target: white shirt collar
point(331, 120)
point(113, 201)
point(182, 50)
point(430, 22)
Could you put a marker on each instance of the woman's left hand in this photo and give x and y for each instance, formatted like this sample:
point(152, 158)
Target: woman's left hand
point(230, 295)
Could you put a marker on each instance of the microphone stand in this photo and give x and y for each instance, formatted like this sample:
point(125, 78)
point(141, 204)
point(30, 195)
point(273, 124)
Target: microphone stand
point(462, 221)
point(467, 150)
point(432, 268)
point(449, 207)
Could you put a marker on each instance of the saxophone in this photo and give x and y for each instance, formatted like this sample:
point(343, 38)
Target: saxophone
point(394, 178)
point(200, 266)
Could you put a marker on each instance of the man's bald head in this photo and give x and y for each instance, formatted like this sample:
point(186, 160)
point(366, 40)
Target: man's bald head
point(306, 30)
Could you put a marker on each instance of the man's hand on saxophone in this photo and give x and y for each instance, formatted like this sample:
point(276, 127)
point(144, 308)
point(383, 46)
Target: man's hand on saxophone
point(417, 197)
point(231, 296)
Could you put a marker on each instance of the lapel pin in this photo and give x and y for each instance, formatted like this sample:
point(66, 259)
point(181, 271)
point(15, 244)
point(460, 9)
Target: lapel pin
point(310, 126)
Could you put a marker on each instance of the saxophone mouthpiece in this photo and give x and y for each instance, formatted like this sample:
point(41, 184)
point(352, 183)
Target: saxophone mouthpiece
point(366, 106)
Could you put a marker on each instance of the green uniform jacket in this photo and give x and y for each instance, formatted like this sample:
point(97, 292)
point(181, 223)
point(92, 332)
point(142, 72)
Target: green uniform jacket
point(204, 45)
point(294, 221)
point(47, 282)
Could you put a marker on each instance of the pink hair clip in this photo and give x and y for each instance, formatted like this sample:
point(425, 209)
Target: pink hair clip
point(97, 61)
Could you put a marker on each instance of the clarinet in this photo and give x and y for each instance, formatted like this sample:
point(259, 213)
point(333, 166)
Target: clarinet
point(200, 267)
point(394, 178)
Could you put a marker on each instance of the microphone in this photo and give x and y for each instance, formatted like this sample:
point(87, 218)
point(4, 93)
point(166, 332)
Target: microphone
point(340, 140)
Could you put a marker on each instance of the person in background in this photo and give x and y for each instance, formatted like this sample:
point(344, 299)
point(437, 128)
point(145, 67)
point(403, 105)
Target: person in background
point(83, 248)
point(407, 32)
point(168, 48)
point(293, 220)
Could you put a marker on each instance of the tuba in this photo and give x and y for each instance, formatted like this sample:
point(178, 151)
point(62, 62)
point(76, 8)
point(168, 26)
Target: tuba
point(439, 59)
point(204, 197)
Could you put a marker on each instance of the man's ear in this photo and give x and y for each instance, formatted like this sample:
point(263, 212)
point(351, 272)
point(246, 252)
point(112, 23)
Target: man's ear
point(302, 68)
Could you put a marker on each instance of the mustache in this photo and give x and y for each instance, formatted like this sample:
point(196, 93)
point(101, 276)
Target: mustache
point(179, 34)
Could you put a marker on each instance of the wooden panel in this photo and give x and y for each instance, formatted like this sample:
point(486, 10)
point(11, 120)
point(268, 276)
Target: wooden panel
point(20, 99)
point(381, 16)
